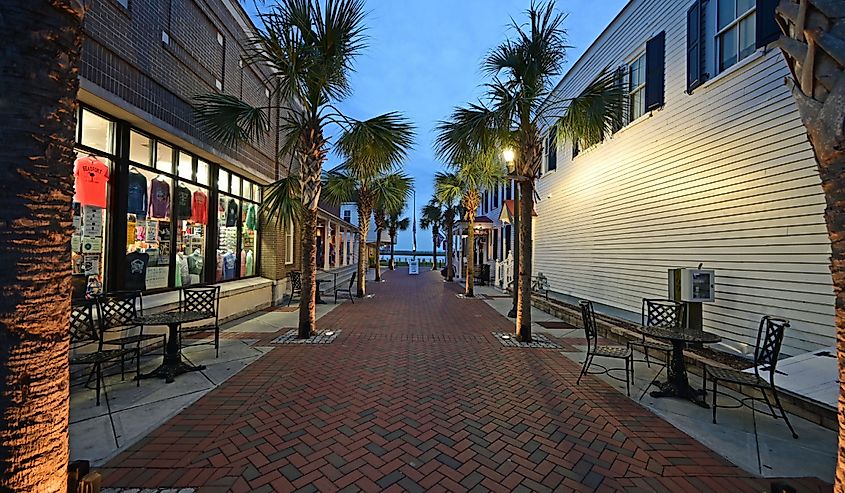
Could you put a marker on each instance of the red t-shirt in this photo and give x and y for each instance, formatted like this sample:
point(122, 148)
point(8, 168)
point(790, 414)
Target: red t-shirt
point(92, 177)
point(199, 208)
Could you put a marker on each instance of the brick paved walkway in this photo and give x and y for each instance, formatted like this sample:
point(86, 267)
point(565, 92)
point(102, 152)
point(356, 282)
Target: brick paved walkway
point(416, 395)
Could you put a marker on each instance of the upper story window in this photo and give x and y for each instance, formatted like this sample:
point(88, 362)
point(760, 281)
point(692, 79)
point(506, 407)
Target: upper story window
point(736, 25)
point(551, 150)
point(347, 215)
point(636, 88)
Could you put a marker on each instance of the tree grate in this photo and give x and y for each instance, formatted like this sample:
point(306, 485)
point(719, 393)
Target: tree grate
point(539, 341)
point(325, 336)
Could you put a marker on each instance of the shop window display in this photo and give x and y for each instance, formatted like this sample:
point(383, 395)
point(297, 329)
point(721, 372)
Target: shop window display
point(148, 229)
point(249, 238)
point(90, 201)
point(191, 209)
point(228, 212)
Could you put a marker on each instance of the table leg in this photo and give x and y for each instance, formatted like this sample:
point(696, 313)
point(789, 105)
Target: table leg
point(173, 364)
point(319, 297)
point(677, 383)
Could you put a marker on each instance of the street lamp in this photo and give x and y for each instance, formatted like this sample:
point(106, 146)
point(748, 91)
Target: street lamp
point(510, 157)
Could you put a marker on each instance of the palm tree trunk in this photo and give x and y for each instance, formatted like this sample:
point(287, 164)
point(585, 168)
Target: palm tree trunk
point(378, 254)
point(41, 60)
point(433, 248)
point(308, 305)
point(523, 305)
point(449, 251)
point(815, 53)
point(470, 280)
point(391, 264)
point(364, 212)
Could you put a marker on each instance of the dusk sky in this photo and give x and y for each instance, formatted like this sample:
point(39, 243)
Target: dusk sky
point(423, 59)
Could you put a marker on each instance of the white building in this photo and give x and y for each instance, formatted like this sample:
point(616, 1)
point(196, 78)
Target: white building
point(713, 167)
point(349, 213)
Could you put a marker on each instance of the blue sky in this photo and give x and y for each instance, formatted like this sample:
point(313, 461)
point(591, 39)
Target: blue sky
point(423, 59)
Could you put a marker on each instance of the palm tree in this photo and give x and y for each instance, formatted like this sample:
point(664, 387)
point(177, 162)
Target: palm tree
point(432, 217)
point(814, 48)
point(451, 211)
point(515, 111)
point(474, 174)
point(394, 226)
point(309, 46)
point(362, 176)
point(41, 78)
point(390, 193)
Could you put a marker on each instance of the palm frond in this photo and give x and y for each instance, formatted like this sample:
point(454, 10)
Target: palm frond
point(448, 188)
point(595, 112)
point(468, 130)
point(282, 200)
point(376, 145)
point(338, 186)
point(229, 120)
point(392, 191)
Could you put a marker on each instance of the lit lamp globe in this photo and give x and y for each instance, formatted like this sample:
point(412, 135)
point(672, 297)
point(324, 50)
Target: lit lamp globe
point(509, 156)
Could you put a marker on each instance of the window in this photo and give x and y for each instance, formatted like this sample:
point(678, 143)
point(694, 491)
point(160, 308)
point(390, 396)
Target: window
point(289, 242)
point(551, 150)
point(636, 88)
point(347, 216)
point(736, 27)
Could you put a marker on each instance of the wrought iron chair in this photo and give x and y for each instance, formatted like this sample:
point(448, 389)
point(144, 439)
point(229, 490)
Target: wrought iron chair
point(659, 313)
point(347, 290)
point(118, 311)
point(204, 299)
point(86, 343)
point(769, 340)
point(295, 278)
point(588, 315)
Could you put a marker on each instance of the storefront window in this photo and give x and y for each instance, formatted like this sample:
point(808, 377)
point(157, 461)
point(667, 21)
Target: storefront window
point(228, 212)
point(164, 158)
point(249, 238)
point(148, 229)
point(202, 172)
point(185, 166)
point(96, 132)
point(90, 205)
point(140, 148)
point(191, 209)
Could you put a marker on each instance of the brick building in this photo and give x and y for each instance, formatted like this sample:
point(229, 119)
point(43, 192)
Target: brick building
point(158, 205)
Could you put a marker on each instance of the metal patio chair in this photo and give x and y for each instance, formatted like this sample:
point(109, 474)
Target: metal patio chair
point(204, 299)
point(118, 311)
point(347, 290)
point(86, 341)
point(588, 315)
point(766, 352)
point(295, 278)
point(659, 313)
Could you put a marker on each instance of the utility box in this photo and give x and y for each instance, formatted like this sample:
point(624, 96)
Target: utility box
point(692, 285)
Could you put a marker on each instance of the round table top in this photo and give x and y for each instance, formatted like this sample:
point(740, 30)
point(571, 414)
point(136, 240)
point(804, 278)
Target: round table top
point(685, 334)
point(165, 318)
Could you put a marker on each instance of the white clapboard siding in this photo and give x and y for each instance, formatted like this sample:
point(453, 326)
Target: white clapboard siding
point(724, 177)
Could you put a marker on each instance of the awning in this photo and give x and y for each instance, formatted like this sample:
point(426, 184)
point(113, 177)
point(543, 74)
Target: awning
point(483, 222)
point(506, 216)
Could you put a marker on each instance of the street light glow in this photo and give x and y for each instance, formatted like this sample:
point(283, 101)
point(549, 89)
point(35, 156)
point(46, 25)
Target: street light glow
point(508, 154)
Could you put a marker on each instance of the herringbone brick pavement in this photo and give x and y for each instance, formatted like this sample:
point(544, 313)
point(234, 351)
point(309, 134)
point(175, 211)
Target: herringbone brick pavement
point(415, 395)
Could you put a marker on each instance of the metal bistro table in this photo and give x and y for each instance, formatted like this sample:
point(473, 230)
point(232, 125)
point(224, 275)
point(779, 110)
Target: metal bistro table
point(173, 364)
point(319, 295)
point(677, 384)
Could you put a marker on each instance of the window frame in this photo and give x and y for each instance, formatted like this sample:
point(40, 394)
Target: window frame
point(639, 58)
point(734, 24)
point(289, 242)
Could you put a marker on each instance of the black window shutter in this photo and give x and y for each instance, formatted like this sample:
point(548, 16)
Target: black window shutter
point(694, 76)
point(552, 150)
point(655, 54)
point(767, 26)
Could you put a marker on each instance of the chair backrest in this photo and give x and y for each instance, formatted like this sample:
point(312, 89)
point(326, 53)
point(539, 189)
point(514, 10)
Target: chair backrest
point(118, 309)
point(588, 316)
point(769, 340)
point(295, 279)
point(205, 299)
point(663, 313)
point(83, 327)
point(352, 280)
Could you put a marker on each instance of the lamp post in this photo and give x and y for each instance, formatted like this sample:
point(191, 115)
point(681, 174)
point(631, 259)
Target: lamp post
point(510, 156)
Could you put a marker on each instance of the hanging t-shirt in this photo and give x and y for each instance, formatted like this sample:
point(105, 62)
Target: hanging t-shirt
point(183, 203)
point(232, 213)
point(250, 218)
point(199, 208)
point(136, 271)
point(250, 263)
point(229, 261)
point(219, 268)
point(159, 198)
point(195, 262)
point(183, 275)
point(136, 196)
point(91, 179)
